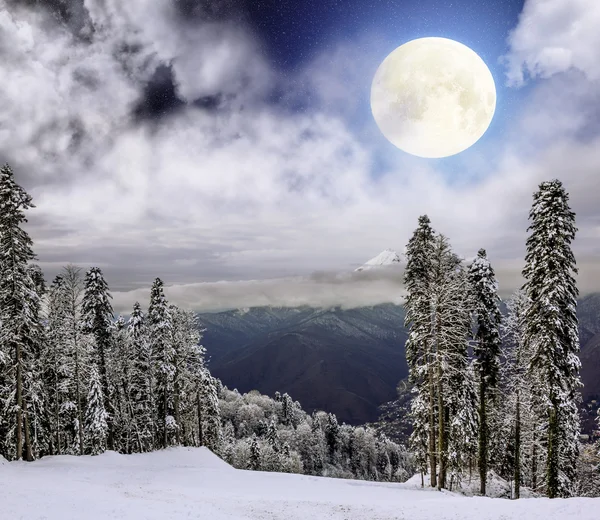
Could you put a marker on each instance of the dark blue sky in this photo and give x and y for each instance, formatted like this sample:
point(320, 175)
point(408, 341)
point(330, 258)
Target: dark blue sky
point(294, 32)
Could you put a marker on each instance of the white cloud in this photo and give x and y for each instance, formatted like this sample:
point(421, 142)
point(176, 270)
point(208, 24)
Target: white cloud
point(554, 36)
point(253, 191)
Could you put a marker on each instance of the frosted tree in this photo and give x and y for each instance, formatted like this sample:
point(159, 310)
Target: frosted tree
point(163, 354)
point(254, 462)
point(188, 361)
point(520, 410)
point(97, 317)
point(96, 417)
point(551, 329)
point(126, 437)
point(486, 348)
point(209, 418)
point(450, 321)
point(332, 430)
point(141, 379)
point(19, 319)
point(417, 282)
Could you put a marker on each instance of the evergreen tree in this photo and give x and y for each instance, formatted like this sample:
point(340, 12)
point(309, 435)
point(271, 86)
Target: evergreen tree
point(209, 418)
point(486, 348)
point(96, 425)
point(551, 330)
point(254, 462)
point(417, 282)
point(160, 333)
point(141, 380)
point(19, 320)
point(97, 317)
point(76, 358)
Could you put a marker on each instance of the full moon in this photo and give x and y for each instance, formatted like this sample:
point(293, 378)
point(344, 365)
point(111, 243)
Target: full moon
point(433, 97)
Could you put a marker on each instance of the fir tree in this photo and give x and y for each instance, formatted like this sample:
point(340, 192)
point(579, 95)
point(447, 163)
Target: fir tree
point(97, 316)
point(160, 326)
point(209, 419)
point(254, 462)
point(551, 330)
point(96, 425)
point(141, 380)
point(19, 319)
point(486, 348)
point(417, 282)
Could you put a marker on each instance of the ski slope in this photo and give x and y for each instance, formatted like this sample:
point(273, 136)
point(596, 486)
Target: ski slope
point(192, 483)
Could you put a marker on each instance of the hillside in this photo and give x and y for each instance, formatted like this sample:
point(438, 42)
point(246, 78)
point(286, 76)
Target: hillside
point(344, 361)
point(193, 483)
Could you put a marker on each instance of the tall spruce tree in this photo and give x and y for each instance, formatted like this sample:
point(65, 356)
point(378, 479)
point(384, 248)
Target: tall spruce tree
point(97, 315)
point(19, 320)
point(486, 348)
point(551, 329)
point(161, 341)
point(417, 282)
point(141, 379)
point(96, 425)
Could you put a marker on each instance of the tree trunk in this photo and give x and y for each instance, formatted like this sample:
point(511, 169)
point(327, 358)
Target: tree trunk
point(110, 439)
point(517, 474)
point(79, 406)
point(534, 461)
point(552, 463)
point(441, 483)
point(19, 425)
point(483, 438)
point(432, 437)
point(200, 430)
point(165, 414)
point(28, 447)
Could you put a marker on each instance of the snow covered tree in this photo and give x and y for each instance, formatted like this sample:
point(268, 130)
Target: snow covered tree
point(76, 358)
point(141, 380)
point(163, 353)
point(189, 364)
point(97, 316)
point(332, 430)
point(20, 326)
point(254, 462)
point(209, 418)
point(486, 348)
point(417, 282)
point(96, 425)
point(551, 329)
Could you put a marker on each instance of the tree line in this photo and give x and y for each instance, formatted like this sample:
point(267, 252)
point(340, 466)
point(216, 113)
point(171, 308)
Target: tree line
point(477, 405)
point(73, 380)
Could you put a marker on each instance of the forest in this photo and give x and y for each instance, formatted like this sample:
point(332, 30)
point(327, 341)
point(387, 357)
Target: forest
point(492, 397)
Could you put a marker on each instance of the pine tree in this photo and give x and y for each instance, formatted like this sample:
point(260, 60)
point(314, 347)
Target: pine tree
point(141, 380)
point(486, 348)
point(254, 462)
point(96, 417)
point(160, 333)
point(19, 319)
point(77, 360)
point(97, 316)
point(417, 282)
point(209, 418)
point(551, 330)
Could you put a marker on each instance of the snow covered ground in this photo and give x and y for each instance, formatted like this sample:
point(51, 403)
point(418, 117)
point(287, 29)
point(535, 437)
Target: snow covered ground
point(192, 483)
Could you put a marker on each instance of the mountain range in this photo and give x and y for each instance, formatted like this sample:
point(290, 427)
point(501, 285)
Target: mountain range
point(345, 361)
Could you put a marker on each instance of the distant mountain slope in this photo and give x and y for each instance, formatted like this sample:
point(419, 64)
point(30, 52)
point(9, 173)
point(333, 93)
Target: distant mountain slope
point(385, 258)
point(344, 361)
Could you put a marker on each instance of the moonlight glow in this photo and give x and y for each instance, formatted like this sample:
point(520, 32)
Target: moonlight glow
point(433, 97)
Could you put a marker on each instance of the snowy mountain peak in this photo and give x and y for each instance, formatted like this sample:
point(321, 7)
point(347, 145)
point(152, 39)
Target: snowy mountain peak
point(387, 257)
